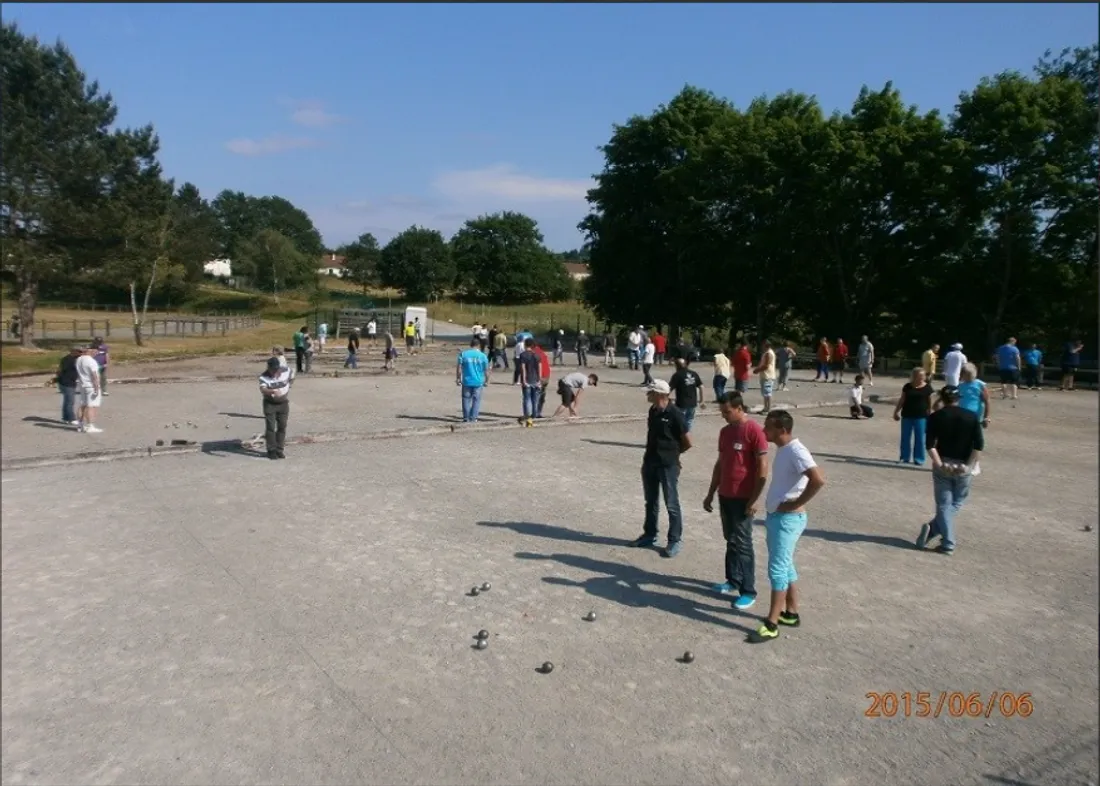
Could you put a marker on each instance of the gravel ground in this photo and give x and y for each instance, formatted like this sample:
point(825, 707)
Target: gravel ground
point(203, 619)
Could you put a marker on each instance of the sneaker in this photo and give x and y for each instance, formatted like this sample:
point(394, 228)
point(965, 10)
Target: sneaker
point(74, 422)
point(105, 393)
point(725, 588)
point(279, 454)
point(764, 633)
point(922, 538)
point(672, 549)
point(946, 552)
point(744, 602)
point(530, 422)
point(644, 542)
point(93, 430)
point(790, 620)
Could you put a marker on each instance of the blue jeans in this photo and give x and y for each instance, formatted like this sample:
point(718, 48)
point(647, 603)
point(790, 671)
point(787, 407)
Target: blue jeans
point(68, 400)
point(784, 530)
point(531, 400)
point(353, 360)
point(912, 439)
point(471, 403)
point(689, 416)
point(950, 492)
point(658, 479)
point(634, 358)
point(719, 386)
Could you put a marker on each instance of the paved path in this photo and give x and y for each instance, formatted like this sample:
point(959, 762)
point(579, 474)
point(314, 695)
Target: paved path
point(202, 620)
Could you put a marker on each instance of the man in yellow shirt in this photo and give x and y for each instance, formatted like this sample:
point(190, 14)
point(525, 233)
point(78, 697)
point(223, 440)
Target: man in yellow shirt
point(721, 375)
point(928, 361)
point(410, 338)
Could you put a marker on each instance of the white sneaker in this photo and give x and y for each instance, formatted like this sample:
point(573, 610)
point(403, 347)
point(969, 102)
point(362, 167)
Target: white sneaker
point(92, 430)
point(74, 422)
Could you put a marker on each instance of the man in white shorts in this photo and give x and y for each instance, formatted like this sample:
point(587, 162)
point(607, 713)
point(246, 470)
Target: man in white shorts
point(87, 374)
point(953, 363)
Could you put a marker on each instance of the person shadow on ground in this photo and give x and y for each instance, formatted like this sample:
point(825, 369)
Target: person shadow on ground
point(635, 587)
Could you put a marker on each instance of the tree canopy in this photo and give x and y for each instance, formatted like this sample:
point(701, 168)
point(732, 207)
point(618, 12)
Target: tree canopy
point(777, 220)
point(419, 262)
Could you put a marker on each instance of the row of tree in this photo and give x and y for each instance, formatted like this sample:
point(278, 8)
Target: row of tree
point(86, 212)
point(775, 219)
point(497, 258)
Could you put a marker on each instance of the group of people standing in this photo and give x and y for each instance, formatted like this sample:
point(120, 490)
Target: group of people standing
point(82, 381)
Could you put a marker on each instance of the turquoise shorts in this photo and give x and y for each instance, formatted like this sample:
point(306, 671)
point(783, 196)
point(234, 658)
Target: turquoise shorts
point(784, 530)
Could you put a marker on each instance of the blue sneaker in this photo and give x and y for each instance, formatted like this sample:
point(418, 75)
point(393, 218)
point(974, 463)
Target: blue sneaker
point(744, 602)
point(725, 588)
point(672, 549)
point(644, 542)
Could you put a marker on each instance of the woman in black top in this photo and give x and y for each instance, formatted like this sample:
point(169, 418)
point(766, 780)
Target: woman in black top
point(914, 407)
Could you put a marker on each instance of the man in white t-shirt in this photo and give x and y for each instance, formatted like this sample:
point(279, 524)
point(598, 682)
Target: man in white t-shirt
point(87, 373)
point(866, 356)
point(649, 355)
point(795, 480)
point(372, 331)
point(322, 337)
point(634, 349)
point(953, 363)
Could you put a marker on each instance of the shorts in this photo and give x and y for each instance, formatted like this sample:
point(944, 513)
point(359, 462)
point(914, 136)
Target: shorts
point(410, 341)
point(838, 365)
point(783, 532)
point(389, 354)
point(567, 394)
point(88, 398)
point(767, 387)
point(1010, 376)
point(741, 385)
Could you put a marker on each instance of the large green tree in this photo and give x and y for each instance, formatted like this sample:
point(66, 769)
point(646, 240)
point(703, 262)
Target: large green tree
point(361, 259)
point(271, 261)
point(242, 216)
point(194, 235)
point(418, 261)
point(501, 258)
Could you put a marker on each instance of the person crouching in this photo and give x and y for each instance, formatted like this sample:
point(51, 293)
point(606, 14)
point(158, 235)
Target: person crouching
point(859, 410)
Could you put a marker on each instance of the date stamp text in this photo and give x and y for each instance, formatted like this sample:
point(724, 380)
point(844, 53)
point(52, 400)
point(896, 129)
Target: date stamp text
point(949, 704)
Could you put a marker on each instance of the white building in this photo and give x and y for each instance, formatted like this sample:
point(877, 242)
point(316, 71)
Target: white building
point(333, 265)
point(218, 268)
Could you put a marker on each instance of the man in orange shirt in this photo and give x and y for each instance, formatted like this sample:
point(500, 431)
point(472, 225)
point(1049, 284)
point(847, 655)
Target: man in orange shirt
point(660, 344)
point(840, 360)
point(544, 377)
point(823, 354)
point(742, 368)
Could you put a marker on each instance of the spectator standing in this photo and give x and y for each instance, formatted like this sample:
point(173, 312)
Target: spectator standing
point(68, 382)
point(742, 368)
point(609, 349)
point(1033, 368)
point(389, 352)
point(634, 349)
point(583, 345)
point(418, 333)
point(824, 353)
point(666, 440)
point(530, 377)
point(1008, 364)
point(102, 357)
point(300, 348)
point(410, 339)
point(784, 358)
point(500, 350)
point(275, 391)
point(660, 344)
point(278, 354)
point(953, 363)
point(721, 375)
point(322, 337)
point(766, 370)
point(928, 362)
point(87, 372)
point(472, 375)
point(685, 385)
point(352, 360)
point(372, 331)
point(912, 410)
point(840, 360)
point(866, 357)
point(648, 355)
point(1071, 361)
point(521, 338)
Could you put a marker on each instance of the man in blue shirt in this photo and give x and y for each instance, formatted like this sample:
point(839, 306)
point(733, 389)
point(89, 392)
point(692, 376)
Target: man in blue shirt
point(472, 375)
point(1008, 362)
point(1033, 368)
point(1071, 361)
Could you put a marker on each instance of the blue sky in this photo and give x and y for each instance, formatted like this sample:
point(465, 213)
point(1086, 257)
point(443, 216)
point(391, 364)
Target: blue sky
point(373, 117)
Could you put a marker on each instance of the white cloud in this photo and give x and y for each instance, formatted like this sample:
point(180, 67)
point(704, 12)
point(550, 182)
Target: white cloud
point(268, 145)
point(311, 113)
point(504, 182)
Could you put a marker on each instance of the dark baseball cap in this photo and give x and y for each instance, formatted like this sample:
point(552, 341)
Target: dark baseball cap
point(273, 362)
point(949, 393)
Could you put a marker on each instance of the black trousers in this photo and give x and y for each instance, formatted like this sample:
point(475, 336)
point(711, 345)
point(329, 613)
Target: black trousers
point(300, 357)
point(276, 412)
point(740, 557)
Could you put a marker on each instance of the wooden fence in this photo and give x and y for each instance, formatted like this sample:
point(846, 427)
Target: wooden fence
point(174, 326)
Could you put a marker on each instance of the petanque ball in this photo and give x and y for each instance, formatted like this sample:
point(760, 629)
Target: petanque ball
point(547, 667)
point(1088, 528)
point(481, 644)
point(590, 616)
point(486, 587)
point(689, 656)
point(483, 634)
point(474, 592)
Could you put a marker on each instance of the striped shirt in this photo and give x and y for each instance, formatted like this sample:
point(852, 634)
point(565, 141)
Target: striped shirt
point(280, 383)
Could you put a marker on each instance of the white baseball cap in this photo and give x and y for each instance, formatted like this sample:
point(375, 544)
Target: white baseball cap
point(660, 387)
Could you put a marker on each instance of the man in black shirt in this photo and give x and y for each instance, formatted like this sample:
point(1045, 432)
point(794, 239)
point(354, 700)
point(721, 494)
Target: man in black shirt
point(353, 349)
point(666, 438)
point(686, 384)
point(955, 442)
point(67, 382)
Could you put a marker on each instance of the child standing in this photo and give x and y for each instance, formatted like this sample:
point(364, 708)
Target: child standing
point(856, 406)
point(796, 479)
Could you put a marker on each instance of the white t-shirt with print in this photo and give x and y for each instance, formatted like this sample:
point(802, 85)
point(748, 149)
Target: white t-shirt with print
point(650, 353)
point(372, 328)
point(953, 364)
point(87, 372)
point(788, 474)
point(855, 396)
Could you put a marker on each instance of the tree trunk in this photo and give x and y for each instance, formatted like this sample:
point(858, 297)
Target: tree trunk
point(137, 320)
point(28, 301)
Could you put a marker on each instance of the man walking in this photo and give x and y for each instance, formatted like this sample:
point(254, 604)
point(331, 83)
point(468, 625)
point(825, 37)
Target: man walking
point(840, 360)
point(928, 362)
point(824, 352)
point(300, 348)
point(660, 345)
point(666, 439)
point(649, 353)
point(372, 331)
point(322, 337)
point(742, 368)
point(521, 338)
point(866, 356)
point(1071, 361)
point(1008, 364)
point(721, 375)
point(583, 344)
point(472, 375)
point(275, 390)
point(557, 346)
point(609, 348)
point(739, 476)
point(783, 361)
point(353, 349)
point(766, 370)
point(686, 384)
point(955, 441)
point(68, 382)
point(544, 378)
point(953, 363)
point(1033, 368)
point(796, 479)
point(634, 349)
point(571, 387)
point(500, 349)
point(87, 372)
point(410, 339)
point(530, 376)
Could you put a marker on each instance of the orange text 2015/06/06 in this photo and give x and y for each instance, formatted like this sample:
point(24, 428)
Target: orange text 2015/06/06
point(949, 704)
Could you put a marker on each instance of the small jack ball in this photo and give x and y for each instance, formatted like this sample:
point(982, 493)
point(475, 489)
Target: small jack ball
point(688, 657)
point(1088, 528)
point(547, 667)
point(483, 634)
point(475, 591)
point(486, 587)
point(590, 616)
point(481, 644)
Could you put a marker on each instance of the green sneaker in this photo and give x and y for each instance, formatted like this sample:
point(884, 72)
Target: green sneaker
point(763, 634)
point(790, 620)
